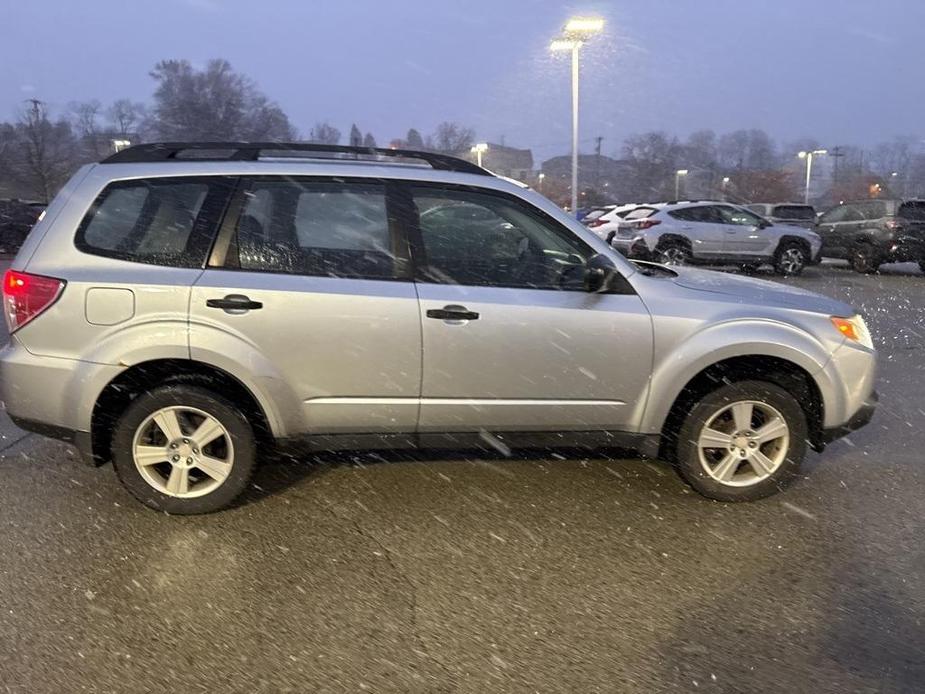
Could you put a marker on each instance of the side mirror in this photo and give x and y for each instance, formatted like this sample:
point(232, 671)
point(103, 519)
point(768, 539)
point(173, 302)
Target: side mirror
point(600, 273)
point(764, 224)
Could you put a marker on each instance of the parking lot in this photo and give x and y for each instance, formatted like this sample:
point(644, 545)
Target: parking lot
point(462, 572)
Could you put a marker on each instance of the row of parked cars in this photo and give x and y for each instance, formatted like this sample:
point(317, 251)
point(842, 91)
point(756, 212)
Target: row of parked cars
point(867, 233)
point(16, 219)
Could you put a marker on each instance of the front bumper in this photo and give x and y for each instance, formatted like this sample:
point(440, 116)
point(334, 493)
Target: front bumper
point(860, 419)
point(634, 248)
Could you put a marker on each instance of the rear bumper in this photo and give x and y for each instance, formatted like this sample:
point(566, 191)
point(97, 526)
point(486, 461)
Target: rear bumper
point(906, 249)
point(860, 419)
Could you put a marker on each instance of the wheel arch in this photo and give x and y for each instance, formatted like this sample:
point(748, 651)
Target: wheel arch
point(777, 370)
point(144, 376)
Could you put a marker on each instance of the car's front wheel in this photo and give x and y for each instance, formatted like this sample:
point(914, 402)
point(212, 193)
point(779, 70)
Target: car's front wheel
point(742, 442)
point(184, 450)
point(790, 259)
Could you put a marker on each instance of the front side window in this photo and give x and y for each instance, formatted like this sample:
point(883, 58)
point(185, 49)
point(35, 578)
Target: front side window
point(164, 221)
point(738, 216)
point(318, 228)
point(801, 212)
point(481, 239)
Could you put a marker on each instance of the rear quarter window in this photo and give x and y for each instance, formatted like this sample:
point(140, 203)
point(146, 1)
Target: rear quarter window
point(163, 221)
point(801, 212)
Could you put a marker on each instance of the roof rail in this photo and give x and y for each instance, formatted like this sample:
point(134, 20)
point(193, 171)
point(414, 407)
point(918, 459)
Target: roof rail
point(252, 151)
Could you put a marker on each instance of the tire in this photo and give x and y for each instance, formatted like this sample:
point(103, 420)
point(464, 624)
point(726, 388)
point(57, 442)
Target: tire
point(790, 259)
point(745, 477)
point(227, 457)
point(673, 253)
point(864, 258)
point(922, 265)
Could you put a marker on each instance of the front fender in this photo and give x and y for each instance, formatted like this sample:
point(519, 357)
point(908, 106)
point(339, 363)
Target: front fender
point(737, 338)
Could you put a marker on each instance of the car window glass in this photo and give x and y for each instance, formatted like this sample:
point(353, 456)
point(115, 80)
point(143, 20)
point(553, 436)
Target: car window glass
point(151, 221)
point(640, 213)
point(480, 239)
point(873, 209)
point(315, 228)
point(914, 210)
point(852, 214)
point(836, 214)
point(738, 216)
point(801, 212)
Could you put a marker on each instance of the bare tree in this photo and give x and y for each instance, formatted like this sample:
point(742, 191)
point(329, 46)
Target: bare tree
point(451, 138)
point(369, 140)
point(356, 137)
point(325, 134)
point(125, 118)
point(85, 118)
point(215, 103)
point(413, 140)
point(653, 158)
point(41, 153)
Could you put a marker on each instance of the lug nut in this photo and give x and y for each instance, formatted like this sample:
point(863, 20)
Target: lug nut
point(189, 461)
point(753, 444)
point(174, 446)
point(196, 451)
point(185, 440)
point(175, 458)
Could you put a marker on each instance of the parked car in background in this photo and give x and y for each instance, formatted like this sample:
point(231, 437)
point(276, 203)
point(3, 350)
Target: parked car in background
point(869, 233)
point(595, 213)
point(715, 233)
point(181, 315)
point(16, 219)
point(793, 213)
point(606, 225)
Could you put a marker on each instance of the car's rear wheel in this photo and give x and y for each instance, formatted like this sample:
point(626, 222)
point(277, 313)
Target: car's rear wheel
point(790, 259)
point(864, 258)
point(922, 265)
point(184, 450)
point(742, 442)
point(673, 253)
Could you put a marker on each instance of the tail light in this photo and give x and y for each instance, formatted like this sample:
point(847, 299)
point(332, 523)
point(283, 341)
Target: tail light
point(646, 223)
point(596, 223)
point(25, 296)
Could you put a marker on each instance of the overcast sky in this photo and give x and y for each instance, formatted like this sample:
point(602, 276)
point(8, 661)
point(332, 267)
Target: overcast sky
point(842, 71)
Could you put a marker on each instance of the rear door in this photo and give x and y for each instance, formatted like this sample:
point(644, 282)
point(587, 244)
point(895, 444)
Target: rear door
point(309, 291)
point(744, 233)
point(834, 227)
point(702, 226)
point(511, 340)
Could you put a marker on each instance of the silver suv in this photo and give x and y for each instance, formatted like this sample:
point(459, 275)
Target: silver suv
point(182, 308)
point(715, 233)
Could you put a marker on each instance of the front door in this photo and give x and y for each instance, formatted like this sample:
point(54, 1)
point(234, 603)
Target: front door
point(311, 296)
point(744, 233)
point(511, 340)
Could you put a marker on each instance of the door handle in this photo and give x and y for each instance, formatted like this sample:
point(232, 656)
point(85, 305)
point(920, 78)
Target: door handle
point(732, 231)
point(452, 312)
point(234, 303)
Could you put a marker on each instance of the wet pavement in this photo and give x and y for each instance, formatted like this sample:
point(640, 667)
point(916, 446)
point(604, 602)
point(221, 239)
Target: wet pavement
point(471, 573)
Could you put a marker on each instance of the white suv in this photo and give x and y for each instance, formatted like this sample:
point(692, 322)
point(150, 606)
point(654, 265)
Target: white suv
point(715, 233)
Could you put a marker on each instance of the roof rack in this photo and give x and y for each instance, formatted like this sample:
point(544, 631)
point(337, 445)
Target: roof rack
point(253, 151)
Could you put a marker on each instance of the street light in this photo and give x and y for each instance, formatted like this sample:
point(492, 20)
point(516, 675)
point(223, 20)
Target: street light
point(479, 149)
point(808, 156)
point(539, 181)
point(677, 182)
point(725, 183)
point(576, 31)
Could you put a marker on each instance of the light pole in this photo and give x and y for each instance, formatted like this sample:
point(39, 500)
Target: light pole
point(479, 149)
point(677, 182)
point(808, 156)
point(725, 183)
point(576, 32)
point(539, 181)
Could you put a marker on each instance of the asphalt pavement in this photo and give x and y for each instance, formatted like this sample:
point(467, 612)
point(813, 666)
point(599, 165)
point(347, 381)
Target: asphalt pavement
point(462, 572)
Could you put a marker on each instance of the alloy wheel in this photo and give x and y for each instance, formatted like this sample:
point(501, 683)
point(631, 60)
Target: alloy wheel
point(791, 261)
point(183, 452)
point(743, 443)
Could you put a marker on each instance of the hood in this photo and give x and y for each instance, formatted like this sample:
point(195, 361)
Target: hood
point(747, 290)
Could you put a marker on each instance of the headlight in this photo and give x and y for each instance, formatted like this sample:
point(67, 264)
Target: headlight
point(855, 329)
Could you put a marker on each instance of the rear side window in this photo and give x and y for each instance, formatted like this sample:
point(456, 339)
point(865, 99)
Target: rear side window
point(640, 213)
point(914, 210)
point(699, 213)
point(164, 221)
point(873, 209)
point(318, 228)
